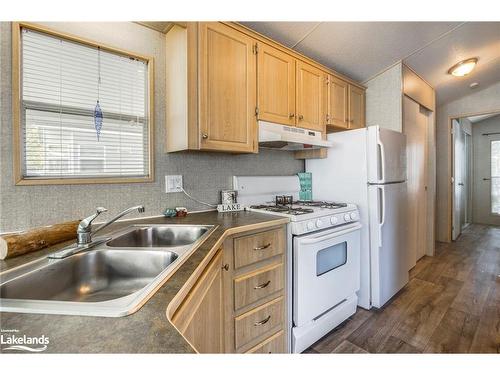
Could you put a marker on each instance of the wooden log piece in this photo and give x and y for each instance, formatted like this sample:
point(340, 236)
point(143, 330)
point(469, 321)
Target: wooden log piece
point(15, 244)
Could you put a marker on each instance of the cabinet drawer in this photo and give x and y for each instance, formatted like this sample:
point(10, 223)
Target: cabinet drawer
point(256, 285)
point(258, 322)
point(274, 344)
point(257, 247)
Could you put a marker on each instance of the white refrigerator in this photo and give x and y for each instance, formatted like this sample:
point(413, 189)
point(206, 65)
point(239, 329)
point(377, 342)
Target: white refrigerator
point(367, 167)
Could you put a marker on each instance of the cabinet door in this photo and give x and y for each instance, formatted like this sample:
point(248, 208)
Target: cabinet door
point(228, 89)
point(276, 85)
point(200, 317)
point(356, 107)
point(338, 103)
point(311, 97)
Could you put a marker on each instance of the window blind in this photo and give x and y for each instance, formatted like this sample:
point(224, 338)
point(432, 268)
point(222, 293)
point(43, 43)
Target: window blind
point(62, 81)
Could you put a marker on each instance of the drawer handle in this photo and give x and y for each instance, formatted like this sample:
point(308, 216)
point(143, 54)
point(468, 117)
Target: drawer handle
point(262, 286)
point(262, 322)
point(262, 247)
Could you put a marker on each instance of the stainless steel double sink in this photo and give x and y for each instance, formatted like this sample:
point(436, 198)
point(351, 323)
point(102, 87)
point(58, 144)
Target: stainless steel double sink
point(114, 278)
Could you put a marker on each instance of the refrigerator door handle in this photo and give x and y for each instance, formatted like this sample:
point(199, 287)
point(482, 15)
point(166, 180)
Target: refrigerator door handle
point(381, 161)
point(381, 206)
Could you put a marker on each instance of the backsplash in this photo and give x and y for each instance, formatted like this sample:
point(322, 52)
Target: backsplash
point(204, 174)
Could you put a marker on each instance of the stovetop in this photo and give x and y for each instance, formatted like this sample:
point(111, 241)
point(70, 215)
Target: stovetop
point(322, 204)
point(290, 210)
point(311, 216)
point(298, 207)
point(279, 195)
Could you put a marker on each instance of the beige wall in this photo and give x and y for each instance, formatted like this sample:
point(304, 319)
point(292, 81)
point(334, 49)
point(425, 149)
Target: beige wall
point(384, 99)
point(485, 100)
point(204, 174)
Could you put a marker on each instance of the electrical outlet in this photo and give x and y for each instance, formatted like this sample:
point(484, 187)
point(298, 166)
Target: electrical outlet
point(173, 184)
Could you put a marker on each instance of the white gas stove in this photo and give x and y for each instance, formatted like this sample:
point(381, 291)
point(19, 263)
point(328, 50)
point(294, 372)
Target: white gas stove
point(323, 254)
point(279, 196)
point(310, 216)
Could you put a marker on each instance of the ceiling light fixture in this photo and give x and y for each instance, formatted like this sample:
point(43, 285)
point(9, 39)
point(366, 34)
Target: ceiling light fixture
point(463, 67)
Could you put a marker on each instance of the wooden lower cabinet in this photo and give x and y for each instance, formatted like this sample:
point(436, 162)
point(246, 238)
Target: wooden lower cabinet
point(255, 282)
point(274, 344)
point(239, 310)
point(200, 316)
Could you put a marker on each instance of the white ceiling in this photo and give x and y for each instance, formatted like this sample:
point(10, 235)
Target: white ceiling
point(363, 49)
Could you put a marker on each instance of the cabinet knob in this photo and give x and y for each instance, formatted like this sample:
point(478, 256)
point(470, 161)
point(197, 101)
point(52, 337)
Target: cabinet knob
point(291, 115)
point(204, 136)
point(225, 267)
point(301, 117)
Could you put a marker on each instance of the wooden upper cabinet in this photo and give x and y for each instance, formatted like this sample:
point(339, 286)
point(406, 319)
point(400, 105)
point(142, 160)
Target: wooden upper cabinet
point(356, 107)
point(275, 85)
point(337, 102)
point(311, 97)
point(227, 89)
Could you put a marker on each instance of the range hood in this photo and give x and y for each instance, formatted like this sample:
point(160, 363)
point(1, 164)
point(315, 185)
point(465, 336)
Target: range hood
point(289, 138)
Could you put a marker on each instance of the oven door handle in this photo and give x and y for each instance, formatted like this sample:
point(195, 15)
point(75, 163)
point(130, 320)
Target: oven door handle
point(329, 236)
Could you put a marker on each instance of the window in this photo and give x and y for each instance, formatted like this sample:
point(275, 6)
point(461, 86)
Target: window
point(495, 177)
point(64, 84)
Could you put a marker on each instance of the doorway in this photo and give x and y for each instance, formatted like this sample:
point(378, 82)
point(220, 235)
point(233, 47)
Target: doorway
point(476, 171)
point(486, 195)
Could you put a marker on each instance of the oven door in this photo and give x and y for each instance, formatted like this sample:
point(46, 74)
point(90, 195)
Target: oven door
point(326, 268)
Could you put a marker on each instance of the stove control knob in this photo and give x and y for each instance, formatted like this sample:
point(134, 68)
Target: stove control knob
point(354, 216)
point(347, 217)
point(334, 220)
point(319, 223)
point(310, 225)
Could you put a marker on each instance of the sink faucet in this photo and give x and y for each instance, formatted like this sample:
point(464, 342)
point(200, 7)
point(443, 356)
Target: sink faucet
point(84, 232)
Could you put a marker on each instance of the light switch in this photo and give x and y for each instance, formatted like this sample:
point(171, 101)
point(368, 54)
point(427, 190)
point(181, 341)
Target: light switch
point(173, 184)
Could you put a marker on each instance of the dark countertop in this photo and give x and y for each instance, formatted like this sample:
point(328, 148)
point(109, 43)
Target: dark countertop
point(148, 330)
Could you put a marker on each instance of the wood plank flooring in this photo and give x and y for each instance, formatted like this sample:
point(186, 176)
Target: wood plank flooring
point(450, 305)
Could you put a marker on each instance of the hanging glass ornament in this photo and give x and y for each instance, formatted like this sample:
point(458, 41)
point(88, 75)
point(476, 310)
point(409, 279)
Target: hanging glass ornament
point(98, 119)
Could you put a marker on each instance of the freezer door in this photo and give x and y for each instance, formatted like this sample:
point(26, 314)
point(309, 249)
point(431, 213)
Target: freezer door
point(388, 248)
point(386, 155)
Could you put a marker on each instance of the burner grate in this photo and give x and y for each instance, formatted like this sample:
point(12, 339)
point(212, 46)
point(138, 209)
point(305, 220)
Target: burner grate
point(321, 204)
point(283, 209)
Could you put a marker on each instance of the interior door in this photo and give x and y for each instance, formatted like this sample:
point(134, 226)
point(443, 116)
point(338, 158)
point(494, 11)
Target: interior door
point(415, 128)
point(228, 89)
point(486, 177)
point(458, 179)
point(468, 181)
point(276, 85)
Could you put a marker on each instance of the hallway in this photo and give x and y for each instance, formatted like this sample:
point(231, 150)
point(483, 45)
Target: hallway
point(450, 305)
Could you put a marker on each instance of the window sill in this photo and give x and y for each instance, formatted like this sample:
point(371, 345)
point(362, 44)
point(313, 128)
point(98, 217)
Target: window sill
point(82, 181)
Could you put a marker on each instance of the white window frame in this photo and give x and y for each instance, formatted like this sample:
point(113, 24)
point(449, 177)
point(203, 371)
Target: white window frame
point(19, 178)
